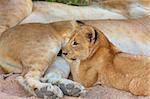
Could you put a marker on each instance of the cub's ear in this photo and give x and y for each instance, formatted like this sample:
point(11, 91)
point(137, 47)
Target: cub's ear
point(77, 23)
point(80, 22)
point(92, 36)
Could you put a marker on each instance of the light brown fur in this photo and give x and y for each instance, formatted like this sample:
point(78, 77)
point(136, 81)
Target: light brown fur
point(128, 8)
point(13, 12)
point(131, 36)
point(22, 43)
point(95, 60)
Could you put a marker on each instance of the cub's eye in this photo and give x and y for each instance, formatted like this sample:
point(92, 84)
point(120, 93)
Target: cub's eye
point(74, 43)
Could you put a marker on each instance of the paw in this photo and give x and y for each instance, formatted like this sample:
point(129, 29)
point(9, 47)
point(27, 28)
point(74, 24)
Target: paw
point(45, 90)
point(25, 85)
point(69, 87)
point(49, 92)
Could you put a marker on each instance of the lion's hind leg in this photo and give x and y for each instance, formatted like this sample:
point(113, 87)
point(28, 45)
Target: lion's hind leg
point(140, 85)
point(136, 71)
point(58, 73)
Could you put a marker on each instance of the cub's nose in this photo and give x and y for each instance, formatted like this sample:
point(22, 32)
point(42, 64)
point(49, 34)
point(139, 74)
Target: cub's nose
point(65, 53)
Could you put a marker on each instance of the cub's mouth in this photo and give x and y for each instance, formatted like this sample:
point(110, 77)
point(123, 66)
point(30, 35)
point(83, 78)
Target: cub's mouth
point(68, 58)
point(73, 59)
point(65, 55)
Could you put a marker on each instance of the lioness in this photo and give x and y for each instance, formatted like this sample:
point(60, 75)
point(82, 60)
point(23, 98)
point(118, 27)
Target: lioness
point(13, 12)
point(95, 60)
point(31, 49)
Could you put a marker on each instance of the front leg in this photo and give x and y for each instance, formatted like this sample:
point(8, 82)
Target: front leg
point(82, 73)
point(33, 70)
point(58, 73)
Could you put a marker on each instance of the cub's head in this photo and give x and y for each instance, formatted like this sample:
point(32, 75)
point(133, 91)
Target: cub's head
point(82, 43)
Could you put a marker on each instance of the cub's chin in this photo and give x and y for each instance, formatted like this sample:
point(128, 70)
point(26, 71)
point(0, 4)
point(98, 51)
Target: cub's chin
point(69, 59)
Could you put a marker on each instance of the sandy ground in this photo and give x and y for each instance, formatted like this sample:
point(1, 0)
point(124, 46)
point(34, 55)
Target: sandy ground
point(10, 89)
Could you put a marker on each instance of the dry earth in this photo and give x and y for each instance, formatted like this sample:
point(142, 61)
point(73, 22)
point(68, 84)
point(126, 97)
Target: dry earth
point(10, 89)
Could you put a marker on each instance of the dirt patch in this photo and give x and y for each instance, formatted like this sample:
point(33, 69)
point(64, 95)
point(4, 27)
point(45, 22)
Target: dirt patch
point(10, 89)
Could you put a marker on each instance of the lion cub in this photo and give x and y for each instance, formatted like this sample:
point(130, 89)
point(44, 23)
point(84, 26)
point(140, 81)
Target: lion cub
point(31, 49)
point(95, 60)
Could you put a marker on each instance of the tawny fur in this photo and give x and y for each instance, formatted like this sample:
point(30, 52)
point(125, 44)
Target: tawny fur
point(128, 8)
point(21, 44)
point(131, 36)
point(108, 9)
point(95, 60)
point(13, 12)
point(45, 12)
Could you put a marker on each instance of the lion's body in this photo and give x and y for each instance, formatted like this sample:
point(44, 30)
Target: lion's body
point(121, 71)
point(95, 60)
point(25, 42)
